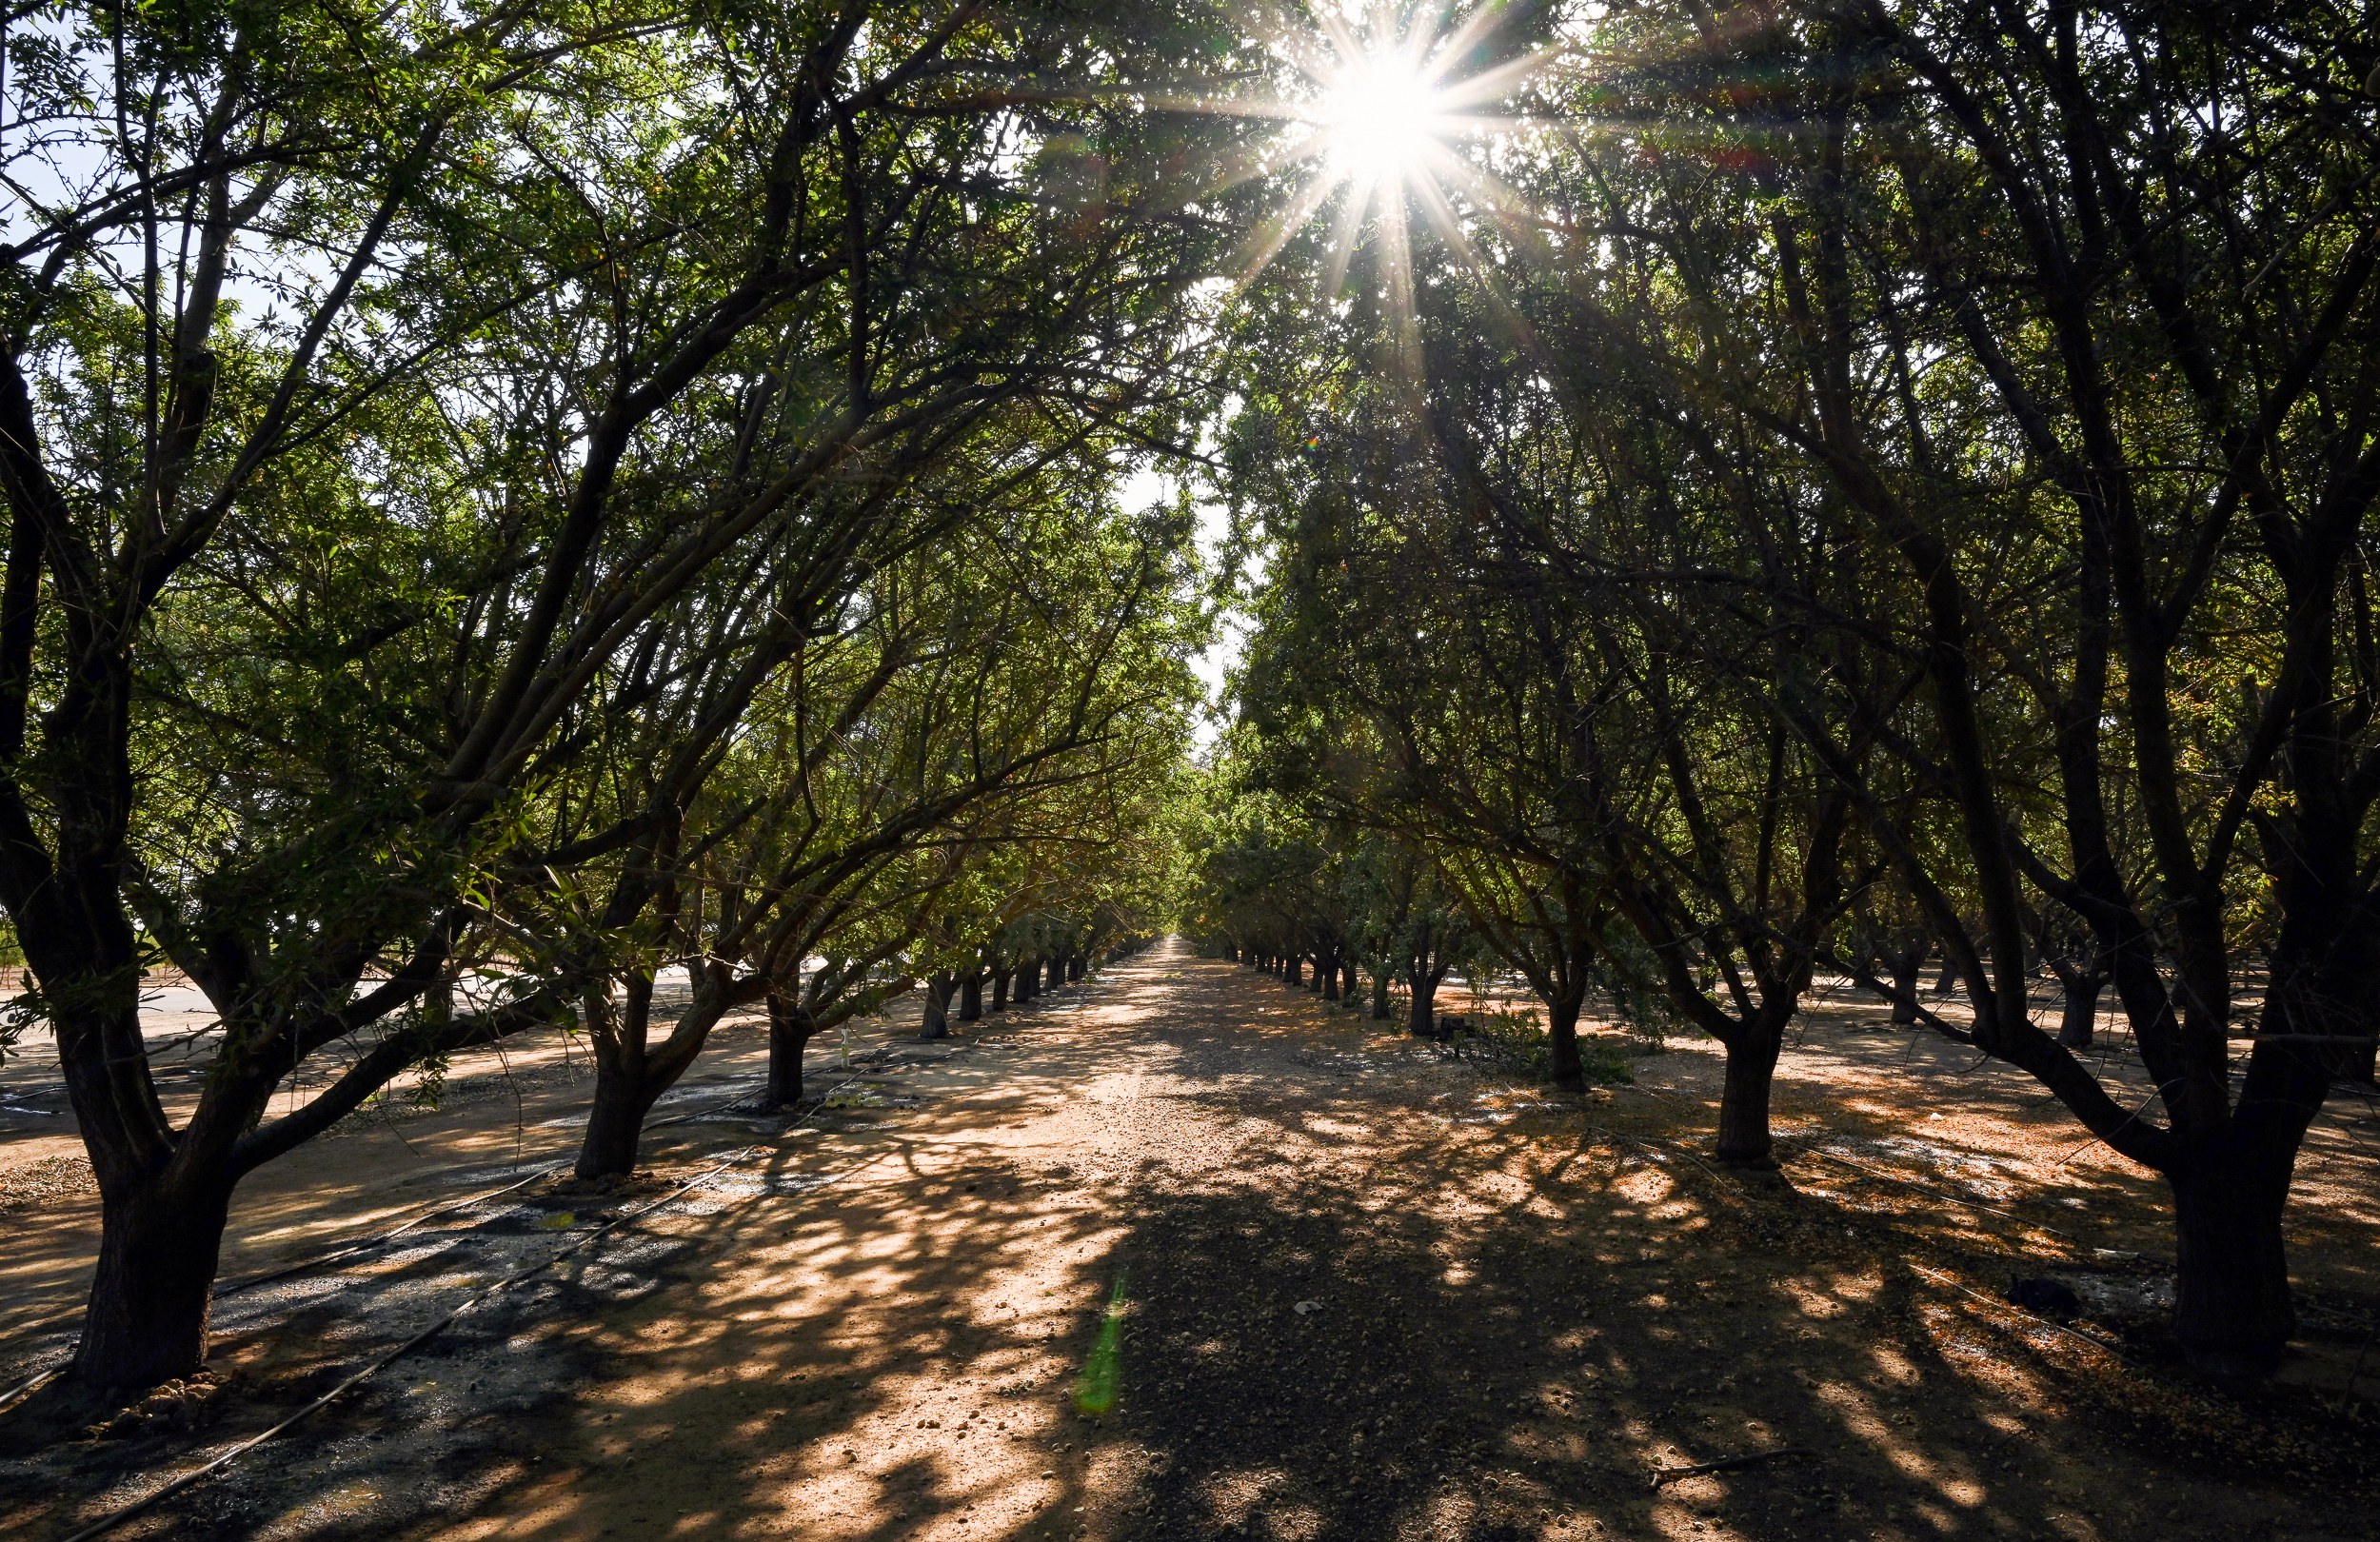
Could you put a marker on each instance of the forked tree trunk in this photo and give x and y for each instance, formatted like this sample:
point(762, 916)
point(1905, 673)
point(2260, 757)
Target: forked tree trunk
point(789, 1030)
point(1421, 1005)
point(2232, 1308)
point(1750, 1071)
point(615, 1122)
point(150, 1296)
point(971, 998)
point(1561, 1023)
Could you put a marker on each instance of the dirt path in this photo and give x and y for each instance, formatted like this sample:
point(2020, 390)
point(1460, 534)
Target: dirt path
point(1364, 1294)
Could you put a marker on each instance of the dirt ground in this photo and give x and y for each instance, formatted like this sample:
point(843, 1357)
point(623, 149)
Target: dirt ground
point(1351, 1289)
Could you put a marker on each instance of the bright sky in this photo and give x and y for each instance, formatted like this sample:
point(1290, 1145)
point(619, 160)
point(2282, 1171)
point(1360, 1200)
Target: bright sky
point(1148, 486)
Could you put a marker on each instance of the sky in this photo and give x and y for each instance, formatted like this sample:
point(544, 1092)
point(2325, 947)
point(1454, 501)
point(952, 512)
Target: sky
point(1148, 484)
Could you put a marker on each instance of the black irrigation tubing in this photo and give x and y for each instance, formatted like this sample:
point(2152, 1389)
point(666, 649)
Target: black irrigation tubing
point(1797, 1142)
point(389, 1357)
point(1923, 1269)
point(1939, 1277)
point(346, 1249)
point(233, 1287)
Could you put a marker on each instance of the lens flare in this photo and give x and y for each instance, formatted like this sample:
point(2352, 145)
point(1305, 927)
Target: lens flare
point(1382, 117)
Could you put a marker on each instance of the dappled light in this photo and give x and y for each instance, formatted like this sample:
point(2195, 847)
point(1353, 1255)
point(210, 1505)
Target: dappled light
point(1347, 770)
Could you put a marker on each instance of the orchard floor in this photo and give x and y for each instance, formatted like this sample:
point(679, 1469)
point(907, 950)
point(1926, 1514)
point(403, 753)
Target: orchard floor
point(1353, 1291)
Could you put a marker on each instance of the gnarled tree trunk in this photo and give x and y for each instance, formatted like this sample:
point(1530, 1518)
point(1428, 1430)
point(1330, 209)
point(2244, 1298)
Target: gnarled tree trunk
point(150, 1296)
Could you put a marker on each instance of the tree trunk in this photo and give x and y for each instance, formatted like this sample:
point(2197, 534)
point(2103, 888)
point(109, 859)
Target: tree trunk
point(2232, 1308)
point(1379, 994)
point(935, 1023)
point(1561, 1018)
point(1322, 971)
point(150, 1298)
point(1293, 970)
point(2080, 1020)
point(1000, 989)
point(1905, 966)
point(971, 998)
point(1074, 967)
point(1421, 1008)
point(1744, 1098)
point(615, 1122)
point(790, 1031)
point(1347, 985)
point(1029, 980)
point(1326, 976)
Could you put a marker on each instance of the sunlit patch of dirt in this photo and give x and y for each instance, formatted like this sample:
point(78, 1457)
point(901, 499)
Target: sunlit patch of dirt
point(1360, 1291)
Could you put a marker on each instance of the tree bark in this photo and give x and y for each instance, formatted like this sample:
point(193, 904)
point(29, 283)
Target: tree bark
point(2232, 1308)
point(1905, 966)
point(2080, 1021)
point(150, 1296)
point(1379, 994)
point(1422, 1007)
point(935, 1023)
point(1029, 980)
point(1561, 1017)
point(1074, 967)
point(1000, 989)
point(1293, 970)
point(789, 1030)
point(971, 998)
point(615, 1122)
point(1326, 976)
point(1744, 1139)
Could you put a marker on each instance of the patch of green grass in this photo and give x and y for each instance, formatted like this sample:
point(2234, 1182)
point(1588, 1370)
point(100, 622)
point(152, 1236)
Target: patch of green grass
point(1096, 1390)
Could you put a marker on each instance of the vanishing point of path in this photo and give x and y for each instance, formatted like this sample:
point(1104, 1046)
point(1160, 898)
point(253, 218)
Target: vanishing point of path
point(1356, 1292)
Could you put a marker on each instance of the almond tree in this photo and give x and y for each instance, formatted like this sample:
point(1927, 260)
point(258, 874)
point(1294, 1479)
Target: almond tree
point(376, 388)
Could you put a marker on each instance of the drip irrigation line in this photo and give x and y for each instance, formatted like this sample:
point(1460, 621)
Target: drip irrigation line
point(1920, 1186)
point(25, 1388)
point(1936, 1190)
point(348, 1249)
point(345, 1250)
point(2079, 1337)
point(389, 1357)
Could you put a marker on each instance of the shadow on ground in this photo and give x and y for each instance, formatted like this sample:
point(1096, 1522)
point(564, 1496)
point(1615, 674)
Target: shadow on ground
point(1369, 1295)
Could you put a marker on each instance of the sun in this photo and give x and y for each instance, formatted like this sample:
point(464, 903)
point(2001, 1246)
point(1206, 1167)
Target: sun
point(1383, 119)
point(1397, 102)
